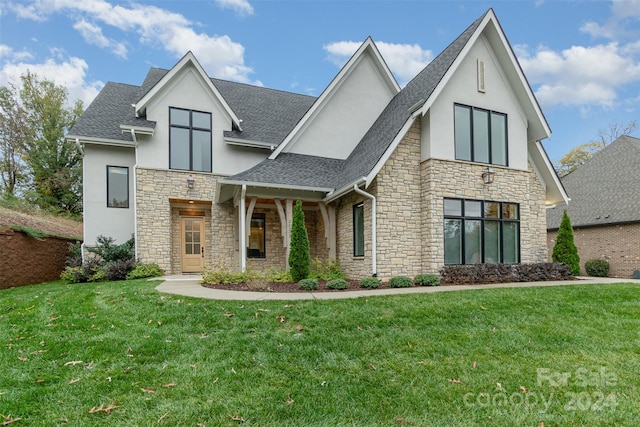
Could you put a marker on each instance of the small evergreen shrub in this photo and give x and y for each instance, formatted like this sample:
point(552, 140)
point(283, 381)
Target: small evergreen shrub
point(109, 251)
point(299, 252)
point(141, 271)
point(75, 255)
point(597, 268)
point(326, 270)
point(308, 284)
point(426, 280)
point(337, 284)
point(92, 271)
point(565, 250)
point(370, 283)
point(400, 282)
point(118, 270)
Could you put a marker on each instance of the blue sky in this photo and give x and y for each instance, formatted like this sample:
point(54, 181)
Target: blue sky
point(582, 58)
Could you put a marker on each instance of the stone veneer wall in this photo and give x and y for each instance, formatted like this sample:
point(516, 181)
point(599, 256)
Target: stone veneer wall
point(616, 243)
point(441, 178)
point(410, 218)
point(157, 221)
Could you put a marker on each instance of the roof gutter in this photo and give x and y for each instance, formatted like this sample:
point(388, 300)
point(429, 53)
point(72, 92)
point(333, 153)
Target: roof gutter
point(336, 194)
point(135, 195)
point(374, 231)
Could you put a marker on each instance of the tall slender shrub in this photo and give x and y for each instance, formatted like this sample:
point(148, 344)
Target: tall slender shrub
point(299, 253)
point(565, 250)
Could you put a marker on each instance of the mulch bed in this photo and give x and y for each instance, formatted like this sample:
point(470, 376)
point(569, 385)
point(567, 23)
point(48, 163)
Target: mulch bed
point(288, 287)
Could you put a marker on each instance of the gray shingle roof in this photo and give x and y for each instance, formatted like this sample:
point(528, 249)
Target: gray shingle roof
point(379, 137)
point(605, 190)
point(267, 115)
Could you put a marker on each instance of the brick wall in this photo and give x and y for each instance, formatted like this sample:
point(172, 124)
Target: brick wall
point(619, 244)
point(25, 260)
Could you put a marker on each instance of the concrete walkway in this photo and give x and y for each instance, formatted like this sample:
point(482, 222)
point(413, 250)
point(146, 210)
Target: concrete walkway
point(189, 286)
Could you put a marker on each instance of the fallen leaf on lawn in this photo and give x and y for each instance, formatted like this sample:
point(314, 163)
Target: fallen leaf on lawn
point(148, 390)
point(409, 344)
point(40, 380)
point(280, 318)
point(229, 314)
point(266, 310)
point(169, 385)
point(108, 379)
point(483, 307)
point(8, 420)
point(73, 381)
point(499, 386)
point(360, 328)
point(236, 418)
point(474, 364)
point(290, 400)
point(523, 389)
point(373, 366)
point(164, 415)
point(106, 409)
point(215, 381)
point(323, 383)
point(454, 380)
point(233, 370)
point(299, 327)
point(288, 306)
point(159, 323)
point(542, 424)
point(22, 358)
point(73, 363)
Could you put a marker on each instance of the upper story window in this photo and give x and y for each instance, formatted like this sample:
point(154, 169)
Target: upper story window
point(480, 135)
point(189, 140)
point(117, 187)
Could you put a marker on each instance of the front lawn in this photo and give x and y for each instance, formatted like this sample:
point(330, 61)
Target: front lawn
point(120, 353)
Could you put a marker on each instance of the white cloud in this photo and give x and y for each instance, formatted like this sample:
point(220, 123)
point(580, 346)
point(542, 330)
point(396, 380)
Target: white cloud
point(241, 7)
point(219, 55)
point(620, 24)
point(404, 60)
point(92, 34)
point(70, 73)
point(580, 75)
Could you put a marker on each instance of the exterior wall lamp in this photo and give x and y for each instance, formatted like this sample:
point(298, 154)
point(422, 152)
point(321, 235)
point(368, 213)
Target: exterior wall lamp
point(489, 175)
point(191, 183)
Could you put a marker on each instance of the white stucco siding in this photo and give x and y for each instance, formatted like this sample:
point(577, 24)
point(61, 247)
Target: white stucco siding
point(188, 90)
point(348, 113)
point(98, 218)
point(438, 126)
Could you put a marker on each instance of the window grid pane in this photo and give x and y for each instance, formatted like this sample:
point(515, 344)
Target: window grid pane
point(257, 237)
point(480, 135)
point(463, 132)
point(190, 140)
point(358, 230)
point(117, 187)
point(452, 241)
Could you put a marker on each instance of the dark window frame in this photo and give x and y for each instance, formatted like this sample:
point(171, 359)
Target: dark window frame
point(109, 203)
point(192, 128)
point(263, 217)
point(491, 113)
point(358, 207)
point(501, 219)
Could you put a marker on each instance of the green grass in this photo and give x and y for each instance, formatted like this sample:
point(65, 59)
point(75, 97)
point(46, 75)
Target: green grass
point(453, 358)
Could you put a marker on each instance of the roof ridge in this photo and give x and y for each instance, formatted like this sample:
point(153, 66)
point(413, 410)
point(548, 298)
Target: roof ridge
point(214, 79)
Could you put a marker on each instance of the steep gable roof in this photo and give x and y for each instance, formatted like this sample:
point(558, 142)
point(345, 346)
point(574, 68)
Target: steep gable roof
point(605, 189)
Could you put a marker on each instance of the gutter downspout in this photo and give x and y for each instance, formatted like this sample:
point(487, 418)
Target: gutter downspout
point(135, 193)
point(243, 245)
point(83, 199)
point(374, 231)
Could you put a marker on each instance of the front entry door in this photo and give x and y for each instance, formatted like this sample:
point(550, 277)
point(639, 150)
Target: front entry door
point(192, 244)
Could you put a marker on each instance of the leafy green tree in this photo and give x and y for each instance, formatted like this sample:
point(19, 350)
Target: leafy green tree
point(299, 252)
point(13, 133)
point(565, 250)
point(55, 163)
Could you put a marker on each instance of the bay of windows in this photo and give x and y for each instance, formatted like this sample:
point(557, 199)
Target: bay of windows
point(189, 140)
point(480, 135)
point(477, 231)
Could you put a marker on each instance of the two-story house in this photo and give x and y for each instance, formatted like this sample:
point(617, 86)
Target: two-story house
point(447, 170)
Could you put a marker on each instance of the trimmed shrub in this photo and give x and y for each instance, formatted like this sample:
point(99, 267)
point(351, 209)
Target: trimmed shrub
point(299, 257)
point(141, 271)
point(326, 270)
point(503, 273)
point(107, 249)
point(426, 280)
point(308, 284)
point(91, 271)
point(223, 276)
point(597, 267)
point(565, 249)
point(400, 282)
point(337, 284)
point(370, 283)
point(118, 270)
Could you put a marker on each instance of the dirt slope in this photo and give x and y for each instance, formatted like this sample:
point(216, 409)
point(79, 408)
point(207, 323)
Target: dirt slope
point(46, 223)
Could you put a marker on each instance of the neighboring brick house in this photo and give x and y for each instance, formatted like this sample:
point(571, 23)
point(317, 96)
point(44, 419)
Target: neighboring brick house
point(205, 172)
point(605, 208)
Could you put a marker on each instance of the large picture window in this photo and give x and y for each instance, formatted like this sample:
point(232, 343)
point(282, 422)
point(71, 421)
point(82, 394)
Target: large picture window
point(117, 187)
point(189, 140)
point(480, 135)
point(257, 238)
point(477, 231)
point(358, 229)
